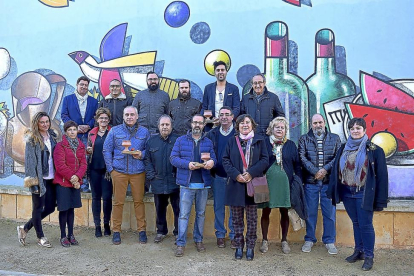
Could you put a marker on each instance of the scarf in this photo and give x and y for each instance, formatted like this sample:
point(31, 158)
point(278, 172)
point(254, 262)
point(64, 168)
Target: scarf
point(353, 145)
point(132, 130)
point(80, 98)
point(73, 143)
point(247, 138)
point(277, 146)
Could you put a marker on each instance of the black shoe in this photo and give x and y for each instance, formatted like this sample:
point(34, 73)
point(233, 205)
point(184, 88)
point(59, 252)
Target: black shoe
point(107, 230)
point(368, 263)
point(250, 254)
point(356, 256)
point(238, 254)
point(98, 231)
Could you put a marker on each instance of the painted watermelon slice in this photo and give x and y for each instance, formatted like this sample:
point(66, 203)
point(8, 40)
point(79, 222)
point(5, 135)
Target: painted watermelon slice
point(380, 119)
point(378, 93)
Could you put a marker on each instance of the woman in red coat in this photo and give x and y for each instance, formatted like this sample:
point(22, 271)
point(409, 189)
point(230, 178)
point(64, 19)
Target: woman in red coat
point(70, 164)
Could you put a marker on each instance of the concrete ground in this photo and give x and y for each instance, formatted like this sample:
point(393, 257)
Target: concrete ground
point(100, 257)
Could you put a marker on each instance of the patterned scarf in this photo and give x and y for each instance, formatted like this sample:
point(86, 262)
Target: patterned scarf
point(73, 143)
point(247, 138)
point(353, 145)
point(277, 148)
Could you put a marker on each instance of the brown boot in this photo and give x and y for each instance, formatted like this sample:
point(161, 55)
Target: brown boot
point(200, 247)
point(179, 252)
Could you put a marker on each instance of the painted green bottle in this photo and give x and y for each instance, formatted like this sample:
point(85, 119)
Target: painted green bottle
point(326, 84)
point(290, 88)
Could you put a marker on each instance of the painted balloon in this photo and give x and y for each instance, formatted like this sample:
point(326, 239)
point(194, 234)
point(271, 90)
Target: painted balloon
point(216, 55)
point(246, 73)
point(4, 63)
point(176, 14)
point(200, 32)
point(386, 141)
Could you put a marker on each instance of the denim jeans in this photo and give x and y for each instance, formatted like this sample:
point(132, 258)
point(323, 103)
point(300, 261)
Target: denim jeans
point(364, 234)
point(219, 192)
point(313, 194)
point(187, 196)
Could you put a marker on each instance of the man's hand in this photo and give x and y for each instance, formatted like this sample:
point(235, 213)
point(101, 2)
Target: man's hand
point(209, 164)
point(241, 179)
point(83, 128)
point(192, 167)
point(320, 174)
point(137, 155)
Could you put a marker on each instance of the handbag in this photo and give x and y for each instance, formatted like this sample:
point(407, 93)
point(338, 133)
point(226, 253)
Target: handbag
point(257, 187)
point(296, 222)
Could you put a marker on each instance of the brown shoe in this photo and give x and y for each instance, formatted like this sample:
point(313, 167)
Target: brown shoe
point(179, 252)
point(221, 243)
point(233, 244)
point(200, 247)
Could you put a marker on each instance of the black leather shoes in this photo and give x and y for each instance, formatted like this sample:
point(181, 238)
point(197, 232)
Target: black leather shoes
point(238, 254)
point(356, 256)
point(107, 230)
point(98, 231)
point(250, 254)
point(368, 263)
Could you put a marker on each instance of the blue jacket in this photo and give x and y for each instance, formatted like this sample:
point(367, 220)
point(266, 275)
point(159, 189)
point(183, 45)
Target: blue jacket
point(71, 112)
point(231, 98)
point(112, 150)
point(183, 153)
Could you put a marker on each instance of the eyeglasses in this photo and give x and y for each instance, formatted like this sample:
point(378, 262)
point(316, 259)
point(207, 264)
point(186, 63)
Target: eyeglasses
point(197, 123)
point(103, 118)
point(258, 83)
point(114, 86)
point(155, 79)
point(225, 114)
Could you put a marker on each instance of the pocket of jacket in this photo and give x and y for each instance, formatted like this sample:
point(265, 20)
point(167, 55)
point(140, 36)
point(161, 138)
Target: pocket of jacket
point(119, 138)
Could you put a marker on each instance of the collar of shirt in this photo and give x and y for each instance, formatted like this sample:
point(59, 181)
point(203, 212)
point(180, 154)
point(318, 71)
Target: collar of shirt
point(225, 133)
point(81, 98)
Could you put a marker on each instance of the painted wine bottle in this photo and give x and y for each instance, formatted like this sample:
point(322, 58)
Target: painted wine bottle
point(290, 88)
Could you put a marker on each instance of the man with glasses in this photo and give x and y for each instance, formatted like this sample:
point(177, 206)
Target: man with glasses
point(116, 101)
point(220, 93)
point(183, 108)
point(151, 103)
point(261, 104)
point(220, 136)
point(193, 156)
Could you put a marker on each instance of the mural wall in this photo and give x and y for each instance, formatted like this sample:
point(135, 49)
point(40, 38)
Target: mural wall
point(341, 58)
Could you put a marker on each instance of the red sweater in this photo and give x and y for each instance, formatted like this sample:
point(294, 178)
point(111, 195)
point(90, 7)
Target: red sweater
point(68, 164)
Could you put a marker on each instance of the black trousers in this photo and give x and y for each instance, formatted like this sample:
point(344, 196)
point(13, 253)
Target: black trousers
point(101, 188)
point(42, 207)
point(161, 204)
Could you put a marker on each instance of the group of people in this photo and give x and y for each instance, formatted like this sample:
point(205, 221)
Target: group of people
point(181, 153)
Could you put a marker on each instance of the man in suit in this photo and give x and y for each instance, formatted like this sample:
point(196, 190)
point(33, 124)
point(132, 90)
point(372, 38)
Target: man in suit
point(80, 108)
point(220, 93)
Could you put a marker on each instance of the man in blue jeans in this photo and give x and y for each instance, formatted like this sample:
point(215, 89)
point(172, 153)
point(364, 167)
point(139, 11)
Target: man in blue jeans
point(220, 136)
point(194, 178)
point(317, 150)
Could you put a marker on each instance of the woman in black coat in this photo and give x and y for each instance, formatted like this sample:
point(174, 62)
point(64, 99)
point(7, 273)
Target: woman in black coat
point(359, 178)
point(257, 160)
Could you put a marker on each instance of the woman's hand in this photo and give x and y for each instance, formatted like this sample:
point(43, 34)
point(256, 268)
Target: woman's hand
point(247, 176)
point(76, 185)
point(89, 150)
point(241, 179)
point(74, 179)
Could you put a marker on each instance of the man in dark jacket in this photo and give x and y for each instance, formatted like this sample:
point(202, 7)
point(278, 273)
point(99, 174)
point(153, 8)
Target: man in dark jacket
point(183, 108)
point(261, 104)
point(220, 93)
point(194, 179)
point(161, 176)
point(220, 136)
point(151, 103)
point(116, 101)
point(317, 150)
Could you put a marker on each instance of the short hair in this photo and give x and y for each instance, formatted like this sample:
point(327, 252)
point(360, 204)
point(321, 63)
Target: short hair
point(198, 115)
point(218, 63)
point(152, 72)
point(102, 110)
point(261, 75)
point(130, 106)
point(115, 80)
point(241, 119)
point(82, 78)
point(69, 124)
point(323, 118)
point(357, 121)
point(228, 108)
point(162, 117)
point(269, 130)
point(183, 81)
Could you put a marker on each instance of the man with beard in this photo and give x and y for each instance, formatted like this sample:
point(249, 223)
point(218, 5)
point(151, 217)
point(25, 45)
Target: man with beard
point(220, 93)
point(151, 103)
point(194, 178)
point(161, 176)
point(183, 108)
point(317, 150)
point(127, 169)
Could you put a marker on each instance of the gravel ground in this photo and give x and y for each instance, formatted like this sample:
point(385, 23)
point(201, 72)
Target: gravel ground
point(100, 257)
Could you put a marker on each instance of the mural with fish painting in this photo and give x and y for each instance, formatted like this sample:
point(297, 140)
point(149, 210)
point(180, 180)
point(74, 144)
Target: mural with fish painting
point(315, 56)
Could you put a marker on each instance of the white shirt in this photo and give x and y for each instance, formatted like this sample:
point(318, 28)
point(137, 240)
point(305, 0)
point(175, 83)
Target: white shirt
point(51, 174)
point(218, 102)
point(82, 102)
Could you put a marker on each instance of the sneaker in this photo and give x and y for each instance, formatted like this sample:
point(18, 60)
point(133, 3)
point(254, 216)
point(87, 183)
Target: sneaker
point(116, 238)
point(200, 247)
point(72, 240)
point(65, 242)
point(44, 242)
point(221, 243)
point(179, 252)
point(285, 247)
point(331, 248)
point(307, 246)
point(264, 247)
point(143, 237)
point(21, 235)
point(158, 238)
point(107, 230)
point(233, 244)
